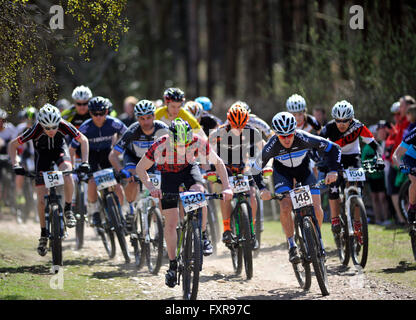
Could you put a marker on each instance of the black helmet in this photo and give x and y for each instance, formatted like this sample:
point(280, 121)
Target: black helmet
point(98, 104)
point(174, 94)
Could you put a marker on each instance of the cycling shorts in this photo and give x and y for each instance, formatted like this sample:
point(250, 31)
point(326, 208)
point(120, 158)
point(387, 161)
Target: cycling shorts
point(172, 180)
point(130, 161)
point(98, 160)
point(284, 182)
point(347, 160)
point(44, 159)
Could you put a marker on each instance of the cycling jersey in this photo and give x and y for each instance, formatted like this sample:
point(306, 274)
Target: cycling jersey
point(71, 115)
point(294, 161)
point(8, 133)
point(42, 142)
point(310, 124)
point(232, 149)
point(348, 140)
point(409, 143)
point(209, 122)
point(255, 122)
point(162, 115)
point(167, 159)
point(135, 142)
point(100, 138)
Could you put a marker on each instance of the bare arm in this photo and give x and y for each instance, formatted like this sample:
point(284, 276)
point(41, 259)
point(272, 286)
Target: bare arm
point(398, 154)
point(141, 170)
point(113, 158)
point(12, 149)
point(84, 147)
point(220, 168)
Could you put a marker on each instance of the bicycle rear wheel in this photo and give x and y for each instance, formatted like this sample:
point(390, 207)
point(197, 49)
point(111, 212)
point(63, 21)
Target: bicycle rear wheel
point(56, 235)
point(258, 223)
point(137, 242)
point(313, 245)
point(115, 220)
point(192, 262)
point(154, 248)
point(246, 243)
point(303, 269)
point(359, 251)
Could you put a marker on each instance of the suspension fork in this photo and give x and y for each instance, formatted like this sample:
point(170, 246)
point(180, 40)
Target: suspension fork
point(348, 212)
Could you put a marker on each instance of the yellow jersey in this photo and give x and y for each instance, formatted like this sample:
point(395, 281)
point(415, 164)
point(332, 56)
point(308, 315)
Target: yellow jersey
point(162, 115)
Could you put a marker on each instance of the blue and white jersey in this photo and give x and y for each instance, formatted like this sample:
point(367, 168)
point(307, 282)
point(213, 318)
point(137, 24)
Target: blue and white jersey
point(100, 138)
point(136, 143)
point(409, 143)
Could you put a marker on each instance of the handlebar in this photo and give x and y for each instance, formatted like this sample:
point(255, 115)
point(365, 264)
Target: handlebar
point(282, 195)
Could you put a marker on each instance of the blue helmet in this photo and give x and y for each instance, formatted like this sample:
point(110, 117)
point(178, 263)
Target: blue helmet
point(98, 104)
point(206, 103)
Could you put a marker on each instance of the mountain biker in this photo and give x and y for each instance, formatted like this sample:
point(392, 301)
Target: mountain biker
point(345, 131)
point(99, 130)
point(48, 136)
point(208, 120)
point(255, 122)
point(133, 145)
point(290, 149)
point(296, 105)
point(175, 156)
point(174, 99)
point(405, 157)
point(235, 142)
point(26, 151)
point(78, 113)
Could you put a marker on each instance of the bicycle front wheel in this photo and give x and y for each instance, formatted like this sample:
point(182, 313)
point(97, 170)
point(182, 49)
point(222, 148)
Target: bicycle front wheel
point(56, 236)
point(115, 220)
point(81, 211)
point(359, 247)
point(246, 243)
point(404, 198)
point(235, 248)
point(303, 269)
point(318, 261)
point(192, 262)
point(342, 242)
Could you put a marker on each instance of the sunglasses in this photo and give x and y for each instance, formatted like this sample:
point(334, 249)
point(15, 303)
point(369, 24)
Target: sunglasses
point(81, 103)
point(50, 128)
point(286, 137)
point(342, 121)
point(98, 114)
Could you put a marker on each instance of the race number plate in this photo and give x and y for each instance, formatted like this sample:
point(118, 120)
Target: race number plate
point(355, 174)
point(193, 200)
point(104, 179)
point(155, 179)
point(53, 179)
point(301, 197)
point(239, 185)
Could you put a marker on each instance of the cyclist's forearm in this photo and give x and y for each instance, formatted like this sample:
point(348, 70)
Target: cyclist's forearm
point(397, 155)
point(12, 150)
point(84, 148)
point(222, 172)
point(115, 162)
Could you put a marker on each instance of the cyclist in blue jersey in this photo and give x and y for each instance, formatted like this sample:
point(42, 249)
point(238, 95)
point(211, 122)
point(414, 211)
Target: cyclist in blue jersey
point(405, 157)
point(133, 145)
point(100, 131)
point(289, 148)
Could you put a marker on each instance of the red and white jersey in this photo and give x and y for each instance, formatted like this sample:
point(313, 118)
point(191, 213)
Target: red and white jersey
point(349, 140)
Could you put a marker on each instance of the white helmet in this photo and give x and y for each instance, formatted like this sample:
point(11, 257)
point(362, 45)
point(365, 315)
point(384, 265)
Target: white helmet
point(295, 103)
point(343, 110)
point(284, 123)
point(144, 107)
point(395, 107)
point(194, 108)
point(82, 93)
point(242, 104)
point(49, 116)
point(3, 114)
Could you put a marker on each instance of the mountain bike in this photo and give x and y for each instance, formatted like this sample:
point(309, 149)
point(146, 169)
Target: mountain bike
point(54, 215)
point(147, 230)
point(111, 210)
point(412, 226)
point(350, 242)
point(189, 253)
point(241, 223)
point(308, 237)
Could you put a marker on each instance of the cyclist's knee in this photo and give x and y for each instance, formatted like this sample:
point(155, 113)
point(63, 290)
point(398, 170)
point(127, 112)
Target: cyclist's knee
point(197, 187)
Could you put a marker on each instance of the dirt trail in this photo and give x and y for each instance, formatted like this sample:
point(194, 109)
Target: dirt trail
point(273, 274)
